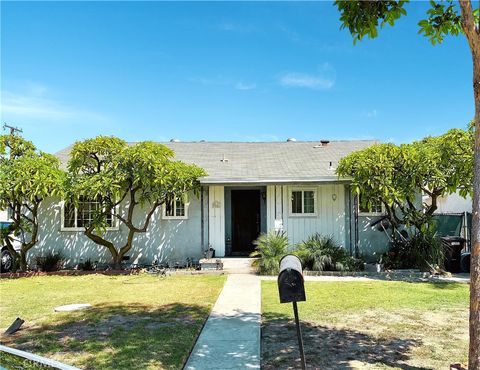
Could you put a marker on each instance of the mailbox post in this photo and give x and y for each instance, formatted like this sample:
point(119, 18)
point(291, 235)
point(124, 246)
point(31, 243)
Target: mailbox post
point(291, 289)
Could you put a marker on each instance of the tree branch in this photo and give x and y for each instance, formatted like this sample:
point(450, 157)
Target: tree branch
point(99, 240)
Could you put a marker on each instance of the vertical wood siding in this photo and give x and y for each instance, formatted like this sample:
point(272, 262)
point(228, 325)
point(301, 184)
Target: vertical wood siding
point(216, 216)
point(330, 218)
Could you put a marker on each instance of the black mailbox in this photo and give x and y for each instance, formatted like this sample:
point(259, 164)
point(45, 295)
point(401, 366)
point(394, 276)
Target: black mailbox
point(290, 280)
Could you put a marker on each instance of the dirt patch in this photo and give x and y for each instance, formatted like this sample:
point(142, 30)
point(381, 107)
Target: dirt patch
point(86, 330)
point(328, 347)
point(374, 339)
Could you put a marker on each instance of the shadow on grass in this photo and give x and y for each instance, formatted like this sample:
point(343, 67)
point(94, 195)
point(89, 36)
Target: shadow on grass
point(447, 285)
point(130, 336)
point(328, 348)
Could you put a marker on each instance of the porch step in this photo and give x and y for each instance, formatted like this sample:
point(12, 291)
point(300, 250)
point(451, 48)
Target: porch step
point(238, 265)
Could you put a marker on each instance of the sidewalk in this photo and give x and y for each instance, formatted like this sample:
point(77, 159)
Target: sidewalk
point(230, 338)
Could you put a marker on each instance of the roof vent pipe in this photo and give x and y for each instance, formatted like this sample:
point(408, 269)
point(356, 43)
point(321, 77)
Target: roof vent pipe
point(290, 139)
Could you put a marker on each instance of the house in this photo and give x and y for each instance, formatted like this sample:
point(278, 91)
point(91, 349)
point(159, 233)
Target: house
point(453, 203)
point(251, 188)
point(4, 216)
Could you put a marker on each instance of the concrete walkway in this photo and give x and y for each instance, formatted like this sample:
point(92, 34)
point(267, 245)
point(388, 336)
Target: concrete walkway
point(230, 338)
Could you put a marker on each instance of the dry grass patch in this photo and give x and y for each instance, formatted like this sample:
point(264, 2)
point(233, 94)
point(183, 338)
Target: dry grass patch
point(369, 325)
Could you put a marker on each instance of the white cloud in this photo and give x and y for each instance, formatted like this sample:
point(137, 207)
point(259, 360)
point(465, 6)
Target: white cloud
point(33, 104)
point(372, 114)
point(305, 80)
point(222, 81)
point(35, 88)
point(219, 80)
point(323, 80)
point(245, 86)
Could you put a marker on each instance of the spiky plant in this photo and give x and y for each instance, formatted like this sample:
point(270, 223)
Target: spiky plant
point(270, 248)
point(322, 253)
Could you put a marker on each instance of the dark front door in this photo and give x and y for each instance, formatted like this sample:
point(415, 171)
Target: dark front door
point(245, 220)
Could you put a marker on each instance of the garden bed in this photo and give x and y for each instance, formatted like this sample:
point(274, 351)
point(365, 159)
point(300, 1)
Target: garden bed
point(15, 275)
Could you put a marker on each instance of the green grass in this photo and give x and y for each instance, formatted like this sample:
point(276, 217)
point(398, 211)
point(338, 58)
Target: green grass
point(137, 322)
point(9, 361)
point(369, 325)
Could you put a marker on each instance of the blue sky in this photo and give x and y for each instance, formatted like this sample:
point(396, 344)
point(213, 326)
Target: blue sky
point(223, 71)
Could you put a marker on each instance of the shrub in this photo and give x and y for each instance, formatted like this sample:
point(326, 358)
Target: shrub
point(88, 265)
point(270, 248)
point(423, 250)
point(51, 262)
point(322, 253)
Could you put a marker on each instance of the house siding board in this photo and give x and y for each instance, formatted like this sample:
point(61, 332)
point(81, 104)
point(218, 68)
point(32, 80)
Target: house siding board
point(165, 240)
point(216, 215)
point(270, 207)
point(330, 218)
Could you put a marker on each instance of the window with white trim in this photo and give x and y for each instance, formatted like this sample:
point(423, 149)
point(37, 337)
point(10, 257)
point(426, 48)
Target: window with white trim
point(176, 209)
point(303, 202)
point(374, 208)
point(77, 218)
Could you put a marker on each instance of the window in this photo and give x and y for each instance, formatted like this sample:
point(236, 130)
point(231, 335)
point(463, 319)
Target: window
point(374, 208)
point(77, 218)
point(176, 209)
point(303, 202)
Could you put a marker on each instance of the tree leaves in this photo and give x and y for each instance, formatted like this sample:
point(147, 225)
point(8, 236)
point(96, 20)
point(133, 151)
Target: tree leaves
point(443, 19)
point(364, 18)
point(114, 173)
point(27, 176)
point(396, 175)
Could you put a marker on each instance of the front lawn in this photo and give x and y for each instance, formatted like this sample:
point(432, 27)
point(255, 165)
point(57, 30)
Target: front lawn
point(368, 325)
point(137, 322)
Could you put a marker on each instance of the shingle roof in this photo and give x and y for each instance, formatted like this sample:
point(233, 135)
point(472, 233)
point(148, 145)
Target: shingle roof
point(262, 162)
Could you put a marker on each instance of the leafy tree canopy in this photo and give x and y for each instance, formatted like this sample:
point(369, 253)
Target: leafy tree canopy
point(27, 176)
point(395, 174)
point(364, 18)
point(121, 177)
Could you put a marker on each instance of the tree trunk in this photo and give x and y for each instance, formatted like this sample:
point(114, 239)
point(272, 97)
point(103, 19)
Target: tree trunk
point(23, 260)
point(126, 248)
point(474, 352)
point(117, 262)
point(89, 232)
point(471, 29)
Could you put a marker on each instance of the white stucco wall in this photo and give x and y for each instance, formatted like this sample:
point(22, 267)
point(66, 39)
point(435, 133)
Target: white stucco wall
point(175, 240)
point(372, 241)
point(165, 240)
point(454, 203)
point(3, 216)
